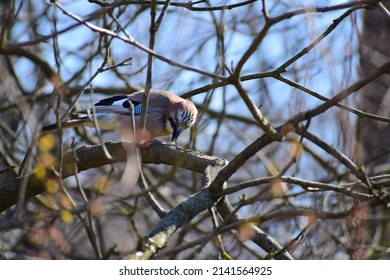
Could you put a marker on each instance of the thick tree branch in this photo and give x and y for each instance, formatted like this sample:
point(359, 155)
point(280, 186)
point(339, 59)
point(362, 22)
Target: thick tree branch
point(87, 157)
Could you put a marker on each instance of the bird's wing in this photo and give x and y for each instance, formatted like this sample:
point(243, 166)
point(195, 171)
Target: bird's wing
point(118, 104)
point(122, 104)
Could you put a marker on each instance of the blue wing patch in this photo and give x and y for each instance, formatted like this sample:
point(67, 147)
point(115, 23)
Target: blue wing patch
point(136, 105)
point(138, 109)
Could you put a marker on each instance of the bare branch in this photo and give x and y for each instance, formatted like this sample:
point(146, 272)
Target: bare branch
point(135, 43)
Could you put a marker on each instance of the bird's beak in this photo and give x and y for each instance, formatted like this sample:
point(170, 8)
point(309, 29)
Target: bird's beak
point(176, 133)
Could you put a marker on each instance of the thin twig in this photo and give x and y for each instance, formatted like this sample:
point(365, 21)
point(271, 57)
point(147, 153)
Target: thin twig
point(149, 196)
point(132, 41)
point(149, 70)
point(383, 69)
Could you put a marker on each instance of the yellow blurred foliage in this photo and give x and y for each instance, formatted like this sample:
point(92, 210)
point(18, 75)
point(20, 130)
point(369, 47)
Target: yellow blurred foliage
point(52, 185)
point(40, 171)
point(67, 217)
point(102, 185)
point(46, 159)
point(47, 142)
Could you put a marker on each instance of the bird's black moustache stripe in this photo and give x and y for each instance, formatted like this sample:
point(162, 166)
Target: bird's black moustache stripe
point(172, 123)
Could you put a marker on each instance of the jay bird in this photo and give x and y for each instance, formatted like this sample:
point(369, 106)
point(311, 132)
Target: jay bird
point(167, 114)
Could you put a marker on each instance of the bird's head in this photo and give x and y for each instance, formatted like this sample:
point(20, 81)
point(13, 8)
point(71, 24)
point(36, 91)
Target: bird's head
point(182, 115)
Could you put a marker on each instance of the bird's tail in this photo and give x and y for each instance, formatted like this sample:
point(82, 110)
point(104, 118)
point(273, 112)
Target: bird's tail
point(65, 124)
